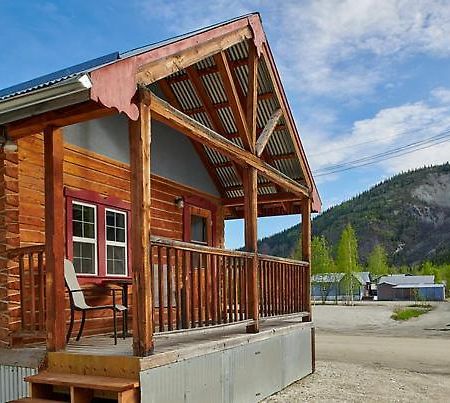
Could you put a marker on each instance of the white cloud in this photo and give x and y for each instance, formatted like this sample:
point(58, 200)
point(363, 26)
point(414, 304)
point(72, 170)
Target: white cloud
point(345, 48)
point(388, 129)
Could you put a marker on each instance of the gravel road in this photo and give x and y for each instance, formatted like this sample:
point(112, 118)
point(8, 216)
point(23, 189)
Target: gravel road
point(365, 355)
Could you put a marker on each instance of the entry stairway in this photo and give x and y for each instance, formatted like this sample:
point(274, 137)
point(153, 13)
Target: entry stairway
point(53, 387)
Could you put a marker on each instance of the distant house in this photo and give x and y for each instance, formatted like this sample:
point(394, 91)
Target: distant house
point(335, 286)
point(402, 287)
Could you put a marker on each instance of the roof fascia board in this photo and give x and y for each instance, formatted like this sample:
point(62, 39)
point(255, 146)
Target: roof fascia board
point(65, 93)
point(281, 95)
point(171, 57)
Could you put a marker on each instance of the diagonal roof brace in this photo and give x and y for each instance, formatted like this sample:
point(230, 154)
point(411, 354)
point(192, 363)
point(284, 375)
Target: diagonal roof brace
point(166, 113)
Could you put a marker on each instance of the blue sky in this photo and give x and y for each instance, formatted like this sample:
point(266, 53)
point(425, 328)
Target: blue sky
point(362, 76)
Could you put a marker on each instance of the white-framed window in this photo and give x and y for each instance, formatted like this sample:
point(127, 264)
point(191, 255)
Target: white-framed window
point(116, 242)
point(84, 237)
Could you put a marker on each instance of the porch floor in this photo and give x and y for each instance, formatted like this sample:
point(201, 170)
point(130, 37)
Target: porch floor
point(176, 344)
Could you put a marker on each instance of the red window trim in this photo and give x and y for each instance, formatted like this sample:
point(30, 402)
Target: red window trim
point(200, 202)
point(102, 203)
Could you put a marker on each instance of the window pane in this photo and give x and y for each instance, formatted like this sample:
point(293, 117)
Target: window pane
point(83, 257)
point(120, 220)
point(120, 235)
point(110, 218)
point(110, 234)
point(110, 252)
point(198, 229)
point(76, 212)
point(119, 253)
point(88, 214)
point(89, 231)
point(119, 267)
point(77, 229)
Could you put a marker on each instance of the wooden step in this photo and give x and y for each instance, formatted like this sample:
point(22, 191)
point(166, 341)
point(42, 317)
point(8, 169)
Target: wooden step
point(83, 381)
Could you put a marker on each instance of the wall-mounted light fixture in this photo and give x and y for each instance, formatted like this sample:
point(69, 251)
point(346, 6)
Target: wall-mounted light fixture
point(179, 202)
point(8, 145)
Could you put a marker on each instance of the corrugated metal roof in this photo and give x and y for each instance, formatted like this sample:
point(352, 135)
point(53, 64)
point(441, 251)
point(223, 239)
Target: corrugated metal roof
point(56, 77)
point(397, 279)
point(280, 142)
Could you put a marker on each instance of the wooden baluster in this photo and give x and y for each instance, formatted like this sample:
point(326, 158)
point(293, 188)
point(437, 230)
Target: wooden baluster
point(200, 289)
point(242, 310)
point(41, 291)
point(186, 292)
point(235, 290)
point(169, 290)
point(207, 288)
point(177, 289)
point(192, 274)
point(32, 292)
point(220, 288)
point(22, 293)
point(246, 269)
point(160, 289)
point(225, 288)
point(214, 288)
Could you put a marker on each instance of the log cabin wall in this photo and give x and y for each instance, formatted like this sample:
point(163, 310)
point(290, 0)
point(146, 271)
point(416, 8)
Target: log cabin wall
point(87, 170)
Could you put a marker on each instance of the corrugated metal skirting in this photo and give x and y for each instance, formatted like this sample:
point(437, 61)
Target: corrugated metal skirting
point(12, 385)
point(242, 374)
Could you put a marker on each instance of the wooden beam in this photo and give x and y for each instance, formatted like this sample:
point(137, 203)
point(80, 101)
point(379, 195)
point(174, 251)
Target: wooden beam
point(154, 71)
point(171, 116)
point(233, 99)
point(140, 140)
point(205, 99)
point(170, 96)
point(251, 243)
point(54, 239)
point(62, 117)
point(269, 128)
point(263, 199)
point(252, 91)
point(306, 252)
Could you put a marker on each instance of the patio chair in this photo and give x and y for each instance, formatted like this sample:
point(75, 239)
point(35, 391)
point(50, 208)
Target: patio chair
point(78, 303)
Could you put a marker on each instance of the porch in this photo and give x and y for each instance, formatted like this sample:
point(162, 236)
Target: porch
point(193, 286)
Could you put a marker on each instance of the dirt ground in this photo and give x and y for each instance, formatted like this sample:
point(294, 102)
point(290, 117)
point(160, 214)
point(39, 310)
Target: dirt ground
point(362, 354)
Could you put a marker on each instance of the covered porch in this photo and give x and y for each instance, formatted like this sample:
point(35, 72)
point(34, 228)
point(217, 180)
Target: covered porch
point(218, 88)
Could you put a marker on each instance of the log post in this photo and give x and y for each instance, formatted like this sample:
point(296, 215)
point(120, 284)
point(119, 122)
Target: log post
point(251, 243)
point(54, 238)
point(306, 252)
point(140, 139)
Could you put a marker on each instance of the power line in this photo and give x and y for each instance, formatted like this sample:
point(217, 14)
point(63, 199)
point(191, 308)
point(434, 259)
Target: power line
point(376, 161)
point(374, 158)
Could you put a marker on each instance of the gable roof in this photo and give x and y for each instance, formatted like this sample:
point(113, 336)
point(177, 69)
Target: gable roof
point(401, 279)
point(113, 83)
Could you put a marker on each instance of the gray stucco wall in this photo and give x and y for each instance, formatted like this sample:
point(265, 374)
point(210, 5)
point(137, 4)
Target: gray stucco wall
point(173, 155)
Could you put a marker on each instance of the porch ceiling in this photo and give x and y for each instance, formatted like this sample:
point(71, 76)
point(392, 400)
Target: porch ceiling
point(199, 92)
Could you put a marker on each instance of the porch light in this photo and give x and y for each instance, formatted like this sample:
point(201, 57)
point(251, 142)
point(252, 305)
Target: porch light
point(8, 145)
point(179, 202)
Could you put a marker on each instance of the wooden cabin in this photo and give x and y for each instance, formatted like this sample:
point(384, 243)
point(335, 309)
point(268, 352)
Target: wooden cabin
point(128, 165)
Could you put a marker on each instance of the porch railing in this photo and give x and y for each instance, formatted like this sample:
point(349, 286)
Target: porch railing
point(193, 285)
point(27, 265)
point(282, 286)
point(196, 285)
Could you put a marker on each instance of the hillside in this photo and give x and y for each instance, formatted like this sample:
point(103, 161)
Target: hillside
point(408, 214)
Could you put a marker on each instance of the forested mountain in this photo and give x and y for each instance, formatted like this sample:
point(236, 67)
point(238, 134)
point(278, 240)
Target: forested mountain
point(409, 214)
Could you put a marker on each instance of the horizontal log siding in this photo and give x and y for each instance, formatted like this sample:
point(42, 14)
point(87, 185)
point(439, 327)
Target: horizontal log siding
point(86, 170)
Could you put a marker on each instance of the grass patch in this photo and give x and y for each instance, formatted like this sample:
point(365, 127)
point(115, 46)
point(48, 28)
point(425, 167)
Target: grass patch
point(409, 312)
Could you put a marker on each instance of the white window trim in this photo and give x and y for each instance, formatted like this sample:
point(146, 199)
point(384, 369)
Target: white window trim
point(115, 243)
point(93, 241)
